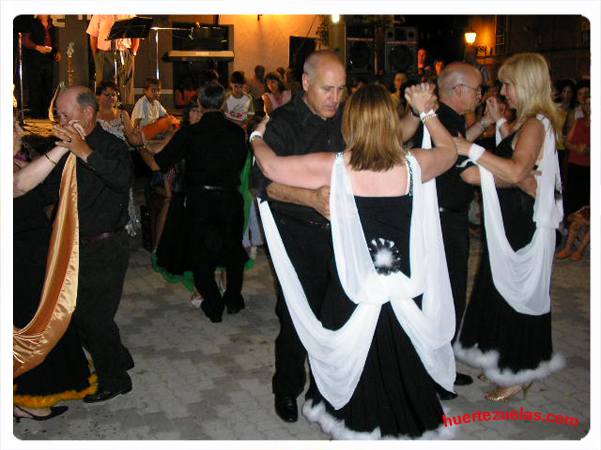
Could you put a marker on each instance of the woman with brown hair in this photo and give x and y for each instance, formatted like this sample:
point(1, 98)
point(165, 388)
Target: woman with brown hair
point(507, 325)
point(277, 94)
point(383, 331)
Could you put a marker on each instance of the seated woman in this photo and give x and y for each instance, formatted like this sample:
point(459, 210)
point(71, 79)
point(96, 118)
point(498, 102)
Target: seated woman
point(277, 94)
point(507, 325)
point(117, 122)
point(378, 342)
point(64, 373)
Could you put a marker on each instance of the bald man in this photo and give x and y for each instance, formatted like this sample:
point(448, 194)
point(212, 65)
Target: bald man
point(309, 123)
point(103, 180)
point(459, 91)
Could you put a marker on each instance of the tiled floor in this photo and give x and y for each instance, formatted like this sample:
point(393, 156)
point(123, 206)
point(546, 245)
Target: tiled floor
point(195, 380)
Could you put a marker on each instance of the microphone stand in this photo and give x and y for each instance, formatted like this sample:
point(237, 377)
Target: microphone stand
point(156, 40)
point(21, 96)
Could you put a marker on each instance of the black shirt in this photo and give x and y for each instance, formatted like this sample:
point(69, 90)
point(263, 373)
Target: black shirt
point(453, 192)
point(294, 129)
point(214, 150)
point(37, 36)
point(102, 184)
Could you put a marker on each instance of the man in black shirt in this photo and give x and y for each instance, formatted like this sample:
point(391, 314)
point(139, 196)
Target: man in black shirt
point(103, 180)
point(40, 52)
point(215, 151)
point(459, 92)
point(309, 123)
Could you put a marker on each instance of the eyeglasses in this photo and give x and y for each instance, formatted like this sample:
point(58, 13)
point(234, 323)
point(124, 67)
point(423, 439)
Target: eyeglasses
point(479, 90)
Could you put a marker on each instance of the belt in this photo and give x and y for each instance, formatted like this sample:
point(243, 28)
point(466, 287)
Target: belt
point(218, 188)
point(100, 237)
point(452, 210)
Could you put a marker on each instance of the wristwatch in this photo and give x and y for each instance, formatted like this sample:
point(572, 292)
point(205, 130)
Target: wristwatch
point(254, 135)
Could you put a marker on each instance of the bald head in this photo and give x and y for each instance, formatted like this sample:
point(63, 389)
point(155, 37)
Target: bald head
point(459, 86)
point(321, 60)
point(77, 103)
point(324, 81)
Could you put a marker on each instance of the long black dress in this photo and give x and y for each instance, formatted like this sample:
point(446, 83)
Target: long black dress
point(395, 392)
point(64, 374)
point(491, 326)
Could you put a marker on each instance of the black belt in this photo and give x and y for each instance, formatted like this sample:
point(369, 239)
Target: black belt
point(100, 237)
point(218, 188)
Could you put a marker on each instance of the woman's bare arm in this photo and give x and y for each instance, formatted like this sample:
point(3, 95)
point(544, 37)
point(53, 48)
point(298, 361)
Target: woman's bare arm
point(36, 171)
point(310, 171)
point(515, 169)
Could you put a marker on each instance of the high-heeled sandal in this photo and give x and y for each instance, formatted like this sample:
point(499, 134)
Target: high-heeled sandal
point(54, 411)
point(503, 394)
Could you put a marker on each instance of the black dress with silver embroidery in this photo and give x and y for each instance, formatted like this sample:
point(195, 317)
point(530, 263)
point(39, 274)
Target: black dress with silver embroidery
point(395, 393)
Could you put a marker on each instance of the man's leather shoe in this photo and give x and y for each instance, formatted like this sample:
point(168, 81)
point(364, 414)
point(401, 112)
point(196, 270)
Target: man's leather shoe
point(286, 408)
point(443, 394)
point(461, 379)
point(106, 394)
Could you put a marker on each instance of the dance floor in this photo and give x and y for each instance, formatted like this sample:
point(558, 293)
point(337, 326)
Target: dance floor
point(195, 380)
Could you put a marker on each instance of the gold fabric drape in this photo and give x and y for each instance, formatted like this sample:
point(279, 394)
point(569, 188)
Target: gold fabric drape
point(32, 343)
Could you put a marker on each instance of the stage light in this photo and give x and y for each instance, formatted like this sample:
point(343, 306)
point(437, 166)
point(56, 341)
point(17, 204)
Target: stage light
point(470, 37)
point(335, 18)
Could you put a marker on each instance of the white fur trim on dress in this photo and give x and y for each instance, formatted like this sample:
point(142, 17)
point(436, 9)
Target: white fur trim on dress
point(489, 363)
point(338, 430)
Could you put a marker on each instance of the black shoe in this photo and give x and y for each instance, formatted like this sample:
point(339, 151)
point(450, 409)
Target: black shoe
point(443, 394)
point(54, 411)
point(234, 309)
point(214, 314)
point(106, 394)
point(285, 408)
point(461, 379)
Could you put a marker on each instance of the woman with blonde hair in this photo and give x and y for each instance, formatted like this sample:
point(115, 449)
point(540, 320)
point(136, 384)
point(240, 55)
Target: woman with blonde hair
point(383, 331)
point(507, 325)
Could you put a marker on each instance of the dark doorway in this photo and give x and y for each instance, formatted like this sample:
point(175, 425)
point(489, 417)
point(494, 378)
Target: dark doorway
point(298, 50)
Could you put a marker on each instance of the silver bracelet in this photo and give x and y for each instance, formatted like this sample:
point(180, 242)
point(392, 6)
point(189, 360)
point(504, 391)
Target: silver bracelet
point(427, 115)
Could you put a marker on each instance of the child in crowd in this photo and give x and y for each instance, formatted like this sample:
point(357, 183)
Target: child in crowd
point(149, 114)
point(238, 105)
point(580, 222)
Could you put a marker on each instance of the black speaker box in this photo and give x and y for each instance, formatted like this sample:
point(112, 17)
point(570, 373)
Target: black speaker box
point(400, 50)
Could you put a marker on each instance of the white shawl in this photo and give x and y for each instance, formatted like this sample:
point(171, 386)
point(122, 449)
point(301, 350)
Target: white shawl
point(523, 277)
point(337, 357)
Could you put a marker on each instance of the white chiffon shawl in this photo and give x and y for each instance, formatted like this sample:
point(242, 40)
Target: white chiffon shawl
point(523, 277)
point(337, 357)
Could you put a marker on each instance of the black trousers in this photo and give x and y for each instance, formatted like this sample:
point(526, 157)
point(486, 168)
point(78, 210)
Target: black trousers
point(216, 223)
point(578, 188)
point(102, 267)
point(309, 246)
point(39, 75)
point(455, 236)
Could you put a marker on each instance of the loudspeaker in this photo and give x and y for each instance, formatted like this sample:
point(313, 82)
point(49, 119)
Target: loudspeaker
point(195, 36)
point(360, 52)
point(400, 50)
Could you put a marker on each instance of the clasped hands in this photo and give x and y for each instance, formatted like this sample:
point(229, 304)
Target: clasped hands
point(421, 97)
point(72, 137)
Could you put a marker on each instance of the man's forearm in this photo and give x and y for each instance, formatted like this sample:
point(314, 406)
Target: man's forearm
point(289, 194)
